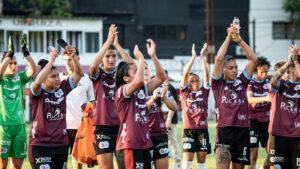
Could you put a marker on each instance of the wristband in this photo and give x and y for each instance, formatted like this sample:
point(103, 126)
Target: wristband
point(168, 119)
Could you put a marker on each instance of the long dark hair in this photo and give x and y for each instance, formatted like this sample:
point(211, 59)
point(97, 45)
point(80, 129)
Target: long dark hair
point(43, 63)
point(122, 70)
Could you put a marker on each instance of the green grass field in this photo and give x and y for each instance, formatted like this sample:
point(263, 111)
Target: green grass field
point(210, 161)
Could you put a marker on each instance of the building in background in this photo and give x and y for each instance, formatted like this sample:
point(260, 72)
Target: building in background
point(273, 29)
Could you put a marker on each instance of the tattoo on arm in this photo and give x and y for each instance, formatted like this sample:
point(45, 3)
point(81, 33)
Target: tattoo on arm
point(222, 155)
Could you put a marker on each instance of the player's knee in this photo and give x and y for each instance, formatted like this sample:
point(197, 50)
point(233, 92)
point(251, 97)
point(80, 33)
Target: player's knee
point(201, 158)
point(222, 155)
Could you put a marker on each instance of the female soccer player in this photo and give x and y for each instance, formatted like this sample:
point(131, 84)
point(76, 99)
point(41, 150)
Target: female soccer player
point(230, 93)
point(194, 101)
point(13, 141)
point(156, 121)
point(48, 140)
point(134, 140)
point(285, 119)
point(106, 121)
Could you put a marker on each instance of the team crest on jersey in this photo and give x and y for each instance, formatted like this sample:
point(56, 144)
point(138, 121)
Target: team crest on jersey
point(266, 86)
point(16, 78)
point(297, 87)
point(141, 94)
point(199, 93)
point(59, 93)
point(237, 82)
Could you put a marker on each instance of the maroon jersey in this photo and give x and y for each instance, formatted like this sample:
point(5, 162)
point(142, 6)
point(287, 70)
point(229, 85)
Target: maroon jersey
point(194, 108)
point(104, 90)
point(259, 111)
point(285, 120)
point(49, 116)
point(156, 121)
point(231, 101)
point(133, 132)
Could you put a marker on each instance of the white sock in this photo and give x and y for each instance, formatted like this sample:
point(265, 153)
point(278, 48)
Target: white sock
point(200, 165)
point(186, 164)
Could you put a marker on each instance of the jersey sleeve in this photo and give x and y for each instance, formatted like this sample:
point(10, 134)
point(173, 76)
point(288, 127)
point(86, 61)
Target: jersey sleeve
point(281, 85)
point(98, 76)
point(215, 81)
point(245, 78)
point(184, 92)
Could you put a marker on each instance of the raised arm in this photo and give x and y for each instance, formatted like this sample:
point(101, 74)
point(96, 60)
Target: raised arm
point(152, 99)
point(8, 57)
point(42, 76)
point(187, 69)
point(275, 79)
point(204, 65)
point(138, 80)
point(119, 48)
point(77, 73)
point(3, 66)
point(219, 63)
point(252, 59)
point(160, 72)
point(94, 68)
point(294, 52)
point(31, 65)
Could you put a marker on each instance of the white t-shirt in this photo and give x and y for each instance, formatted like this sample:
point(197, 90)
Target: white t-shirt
point(81, 94)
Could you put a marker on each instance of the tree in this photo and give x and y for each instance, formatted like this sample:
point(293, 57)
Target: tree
point(293, 6)
point(39, 8)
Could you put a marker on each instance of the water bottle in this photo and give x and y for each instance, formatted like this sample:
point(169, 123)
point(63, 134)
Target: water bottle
point(236, 24)
point(159, 90)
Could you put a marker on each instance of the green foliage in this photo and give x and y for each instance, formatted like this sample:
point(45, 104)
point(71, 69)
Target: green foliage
point(292, 6)
point(39, 8)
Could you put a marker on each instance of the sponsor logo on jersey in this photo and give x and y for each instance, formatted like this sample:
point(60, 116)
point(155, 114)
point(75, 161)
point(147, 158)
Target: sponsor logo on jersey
point(237, 82)
point(139, 165)
point(199, 93)
point(39, 160)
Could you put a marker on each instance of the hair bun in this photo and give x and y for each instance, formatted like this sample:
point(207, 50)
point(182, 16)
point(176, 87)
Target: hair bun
point(43, 62)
